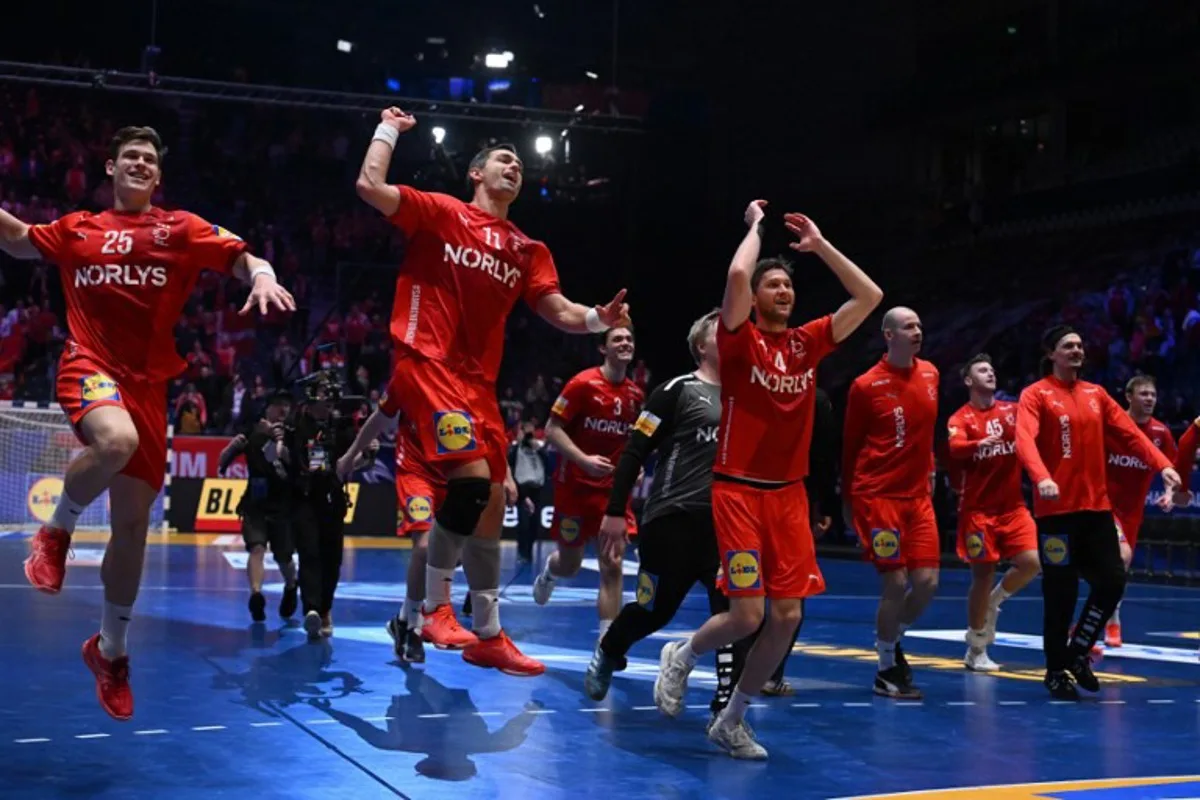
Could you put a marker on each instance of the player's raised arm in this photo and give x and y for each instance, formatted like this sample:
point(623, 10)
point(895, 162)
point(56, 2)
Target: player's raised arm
point(739, 297)
point(572, 317)
point(865, 294)
point(372, 185)
point(14, 237)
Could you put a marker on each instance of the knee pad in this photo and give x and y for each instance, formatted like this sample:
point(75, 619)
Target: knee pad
point(466, 500)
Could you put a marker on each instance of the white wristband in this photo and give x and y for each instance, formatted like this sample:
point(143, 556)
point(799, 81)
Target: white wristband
point(593, 322)
point(262, 269)
point(386, 133)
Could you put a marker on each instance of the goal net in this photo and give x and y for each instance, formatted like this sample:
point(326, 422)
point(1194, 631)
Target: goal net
point(36, 445)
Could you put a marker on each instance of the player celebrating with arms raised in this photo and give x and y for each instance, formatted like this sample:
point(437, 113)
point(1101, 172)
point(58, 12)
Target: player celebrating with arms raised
point(993, 522)
point(126, 274)
point(760, 505)
point(465, 268)
point(590, 424)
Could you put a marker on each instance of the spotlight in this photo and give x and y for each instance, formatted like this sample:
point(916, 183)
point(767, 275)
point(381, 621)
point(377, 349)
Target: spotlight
point(579, 108)
point(498, 60)
point(592, 75)
point(439, 135)
point(344, 46)
point(543, 145)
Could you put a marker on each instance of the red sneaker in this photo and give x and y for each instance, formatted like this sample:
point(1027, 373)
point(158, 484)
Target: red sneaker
point(1112, 634)
point(112, 680)
point(501, 653)
point(441, 629)
point(47, 563)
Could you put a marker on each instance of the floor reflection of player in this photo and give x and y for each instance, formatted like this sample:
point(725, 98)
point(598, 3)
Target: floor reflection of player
point(126, 274)
point(993, 522)
point(590, 424)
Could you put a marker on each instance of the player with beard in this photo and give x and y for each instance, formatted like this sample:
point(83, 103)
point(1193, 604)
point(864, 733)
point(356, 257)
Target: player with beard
point(589, 425)
point(887, 485)
point(1062, 426)
point(993, 522)
point(1129, 477)
point(466, 265)
point(126, 274)
point(760, 503)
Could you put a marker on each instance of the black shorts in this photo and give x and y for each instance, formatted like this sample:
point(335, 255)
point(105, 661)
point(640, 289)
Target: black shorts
point(260, 529)
point(1083, 540)
point(675, 552)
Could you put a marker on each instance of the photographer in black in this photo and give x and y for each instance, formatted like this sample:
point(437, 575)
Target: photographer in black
point(265, 502)
point(317, 438)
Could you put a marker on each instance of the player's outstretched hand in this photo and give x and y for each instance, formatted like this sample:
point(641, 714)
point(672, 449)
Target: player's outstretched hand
point(613, 537)
point(397, 119)
point(616, 313)
point(755, 212)
point(1048, 489)
point(1171, 484)
point(267, 292)
point(596, 466)
point(808, 235)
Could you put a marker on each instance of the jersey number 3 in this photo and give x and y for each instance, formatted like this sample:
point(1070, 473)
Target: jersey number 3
point(617, 407)
point(117, 242)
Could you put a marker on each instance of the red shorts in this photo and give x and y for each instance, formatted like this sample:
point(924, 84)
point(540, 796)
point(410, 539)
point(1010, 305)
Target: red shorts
point(898, 532)
point(765, 541)
point(987, 538)
point(417, 498)
point(456, 420)
point(84, 384)
point(1128, 526)
point(578, 512)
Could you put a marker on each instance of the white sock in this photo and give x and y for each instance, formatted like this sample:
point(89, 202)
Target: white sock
point(485, 613)
point(547, 575)
point(66, 513)
point(977, 639)
point(114, 622)
point(1116, 617)
point(735, 712)
point(605, 624)
point(438, 583)
point(998, 595)
point(686, 654)
point(887, 654)
point(412, 614)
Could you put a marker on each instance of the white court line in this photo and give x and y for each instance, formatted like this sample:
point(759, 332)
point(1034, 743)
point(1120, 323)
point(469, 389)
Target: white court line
point(857, 705)
point(265, 724)
point(645, 708)
point(1012, 702)
point(154, 732)
point(541, 711)
point(1071, 702)
point(1160, 702)
point(320, 722)
point(432, 716)
point(29, 741)
point(698, 707)
point(378, 719)
point(961, 703)
point(908, 705)
point(208, 728)
point(598, 710)
point(1112, 702)
point(93, 735)
point(487, 714)
point(806, 705)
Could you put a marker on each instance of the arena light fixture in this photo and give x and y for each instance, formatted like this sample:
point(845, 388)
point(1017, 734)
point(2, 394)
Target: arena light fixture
point(592, 75)
point(579, 108)
point(344, 46)
point(498, 60)
point(543, 145)
point(439, 134)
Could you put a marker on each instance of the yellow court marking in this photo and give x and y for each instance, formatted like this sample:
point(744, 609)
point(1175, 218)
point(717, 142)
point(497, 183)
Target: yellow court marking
point(235, 539)
point(1041, 791)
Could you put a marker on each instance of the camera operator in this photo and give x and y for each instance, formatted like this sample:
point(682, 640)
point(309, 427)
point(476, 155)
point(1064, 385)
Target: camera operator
point(527, 461)
point(264, 505)
point(318, 437)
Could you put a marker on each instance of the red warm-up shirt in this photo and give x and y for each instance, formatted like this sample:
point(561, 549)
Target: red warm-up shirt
point(891, 413)
point(597, 415)
point(988, 478)
point(1128, 476)
point(1061, 430)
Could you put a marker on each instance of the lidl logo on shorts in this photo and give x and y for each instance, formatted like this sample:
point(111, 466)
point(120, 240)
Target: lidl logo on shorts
point(885, 544)
point(743, 569)
point(95, 388)
point(455, 432)
point(975, 545)
point(43, 498)
point(419, 508)
point(1055, 551)
point(647, 423)
point(568, 529)
point(647, 588)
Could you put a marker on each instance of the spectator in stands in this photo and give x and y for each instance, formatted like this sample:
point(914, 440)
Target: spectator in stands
point(191, 411)
point(527, 458)
point(284, 360)
point(511, 408)
point(197, 359)
point(235, 405)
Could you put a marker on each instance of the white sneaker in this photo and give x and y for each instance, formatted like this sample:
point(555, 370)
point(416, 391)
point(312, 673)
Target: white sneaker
point(671, 683)
point(543, 587)
point(978, 661)
point(989, 624)
point(737, 741)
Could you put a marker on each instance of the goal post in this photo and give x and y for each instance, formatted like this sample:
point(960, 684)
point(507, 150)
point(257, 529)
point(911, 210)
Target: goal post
point(37, 443)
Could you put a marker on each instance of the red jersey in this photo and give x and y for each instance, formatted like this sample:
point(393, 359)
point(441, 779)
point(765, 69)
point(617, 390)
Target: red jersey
point(463, 272)
point(126, 277)
point(988, 478)
point(409, 460)
point(597, 415)
point(768, 399)
point(1128, 476)
point(1061, 434)
point(1185, 461)
point(891, 413)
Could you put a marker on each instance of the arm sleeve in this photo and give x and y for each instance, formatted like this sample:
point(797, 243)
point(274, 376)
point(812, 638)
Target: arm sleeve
point(51, 239)
point(211, 246)
point(1029, 423)
point(1121, 427)
point(962, 447)
point(1185, 459)
point(417, 210)
point(855, 433)
point(654, 424)
point(543, 276)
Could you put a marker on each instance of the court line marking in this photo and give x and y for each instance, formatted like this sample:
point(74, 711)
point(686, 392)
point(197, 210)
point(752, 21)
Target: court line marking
point(93, 735)
point(154, 732)
point(1012, 702)
point(29, 741)
point(1160, 702)
point(208, 728)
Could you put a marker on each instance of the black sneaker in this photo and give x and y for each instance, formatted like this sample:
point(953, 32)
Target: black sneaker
point(397, 628)
point(1081, 669)
point(287, 603)
point(414, 648)
point(257, 606)
point(1060, 685)
point(902, 663)
point(894, 683)
point(466, 611)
